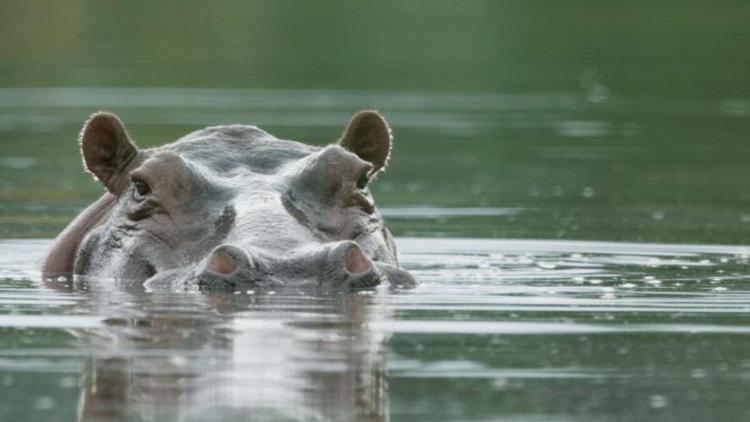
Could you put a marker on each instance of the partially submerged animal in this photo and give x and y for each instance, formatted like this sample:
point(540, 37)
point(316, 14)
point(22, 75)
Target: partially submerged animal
point(228, 206)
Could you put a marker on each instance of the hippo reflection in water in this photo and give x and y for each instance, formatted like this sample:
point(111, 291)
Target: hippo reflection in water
point(229, 206)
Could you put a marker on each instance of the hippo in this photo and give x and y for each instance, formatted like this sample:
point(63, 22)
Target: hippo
point(232, 206)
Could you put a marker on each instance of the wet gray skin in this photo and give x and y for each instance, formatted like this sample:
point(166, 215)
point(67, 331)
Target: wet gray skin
point(232, 206)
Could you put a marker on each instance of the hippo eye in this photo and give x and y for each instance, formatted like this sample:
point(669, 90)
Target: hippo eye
point(141, 189)
point(363, 181)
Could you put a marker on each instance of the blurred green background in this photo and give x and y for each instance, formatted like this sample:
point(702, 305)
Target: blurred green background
point(576, 119)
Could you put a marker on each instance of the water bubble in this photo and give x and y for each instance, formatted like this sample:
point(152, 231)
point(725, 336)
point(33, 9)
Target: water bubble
point(596, 91)
point(628, 286)
point(177, 360)
point(67, 382)
point(719, 289)
point(44, 403)
point(657, 401)
point(658, 215)
point(525, 260)
point(698, 373)
point(587, 192)
point(7, 380)
point(500, 383)
point(412, 187)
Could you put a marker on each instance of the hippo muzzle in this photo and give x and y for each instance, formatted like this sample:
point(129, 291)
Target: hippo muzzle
point(337, 264)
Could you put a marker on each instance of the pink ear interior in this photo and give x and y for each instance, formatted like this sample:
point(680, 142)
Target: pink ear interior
point(222, 262)
point(356, 262)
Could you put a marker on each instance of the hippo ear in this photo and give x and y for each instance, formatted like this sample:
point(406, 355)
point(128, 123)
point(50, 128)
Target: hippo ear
point(107, 150)
point(368, 136)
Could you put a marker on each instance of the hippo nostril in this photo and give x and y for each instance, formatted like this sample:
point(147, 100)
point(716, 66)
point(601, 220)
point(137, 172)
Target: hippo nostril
point(350, 257)
point(355, 261)
point(351, 265)
point(228, 266)
point(225, 260)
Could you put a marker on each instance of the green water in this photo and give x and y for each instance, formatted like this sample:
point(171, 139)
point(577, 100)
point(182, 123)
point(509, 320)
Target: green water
point(562, 121)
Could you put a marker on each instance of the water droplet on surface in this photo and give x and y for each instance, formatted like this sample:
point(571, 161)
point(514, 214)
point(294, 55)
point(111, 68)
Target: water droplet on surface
point(44, 403)
point(7, 380)
point(177, 360)
point(698, 373)
point(67, 382)
point(500, 383)
point(658, 401)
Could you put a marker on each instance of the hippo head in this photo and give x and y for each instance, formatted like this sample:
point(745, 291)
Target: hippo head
point(228, 206)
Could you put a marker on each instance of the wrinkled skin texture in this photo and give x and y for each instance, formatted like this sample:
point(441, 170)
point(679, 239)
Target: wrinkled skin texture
point(232, 206)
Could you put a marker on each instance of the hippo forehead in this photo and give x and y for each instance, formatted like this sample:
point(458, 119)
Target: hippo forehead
point(225, 150)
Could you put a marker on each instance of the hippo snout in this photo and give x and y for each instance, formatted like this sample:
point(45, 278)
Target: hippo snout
point(349, 265)
point(335, 264)
point(229, 266)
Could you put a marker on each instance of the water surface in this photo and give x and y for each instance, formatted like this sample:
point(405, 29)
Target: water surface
point(518, 329)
